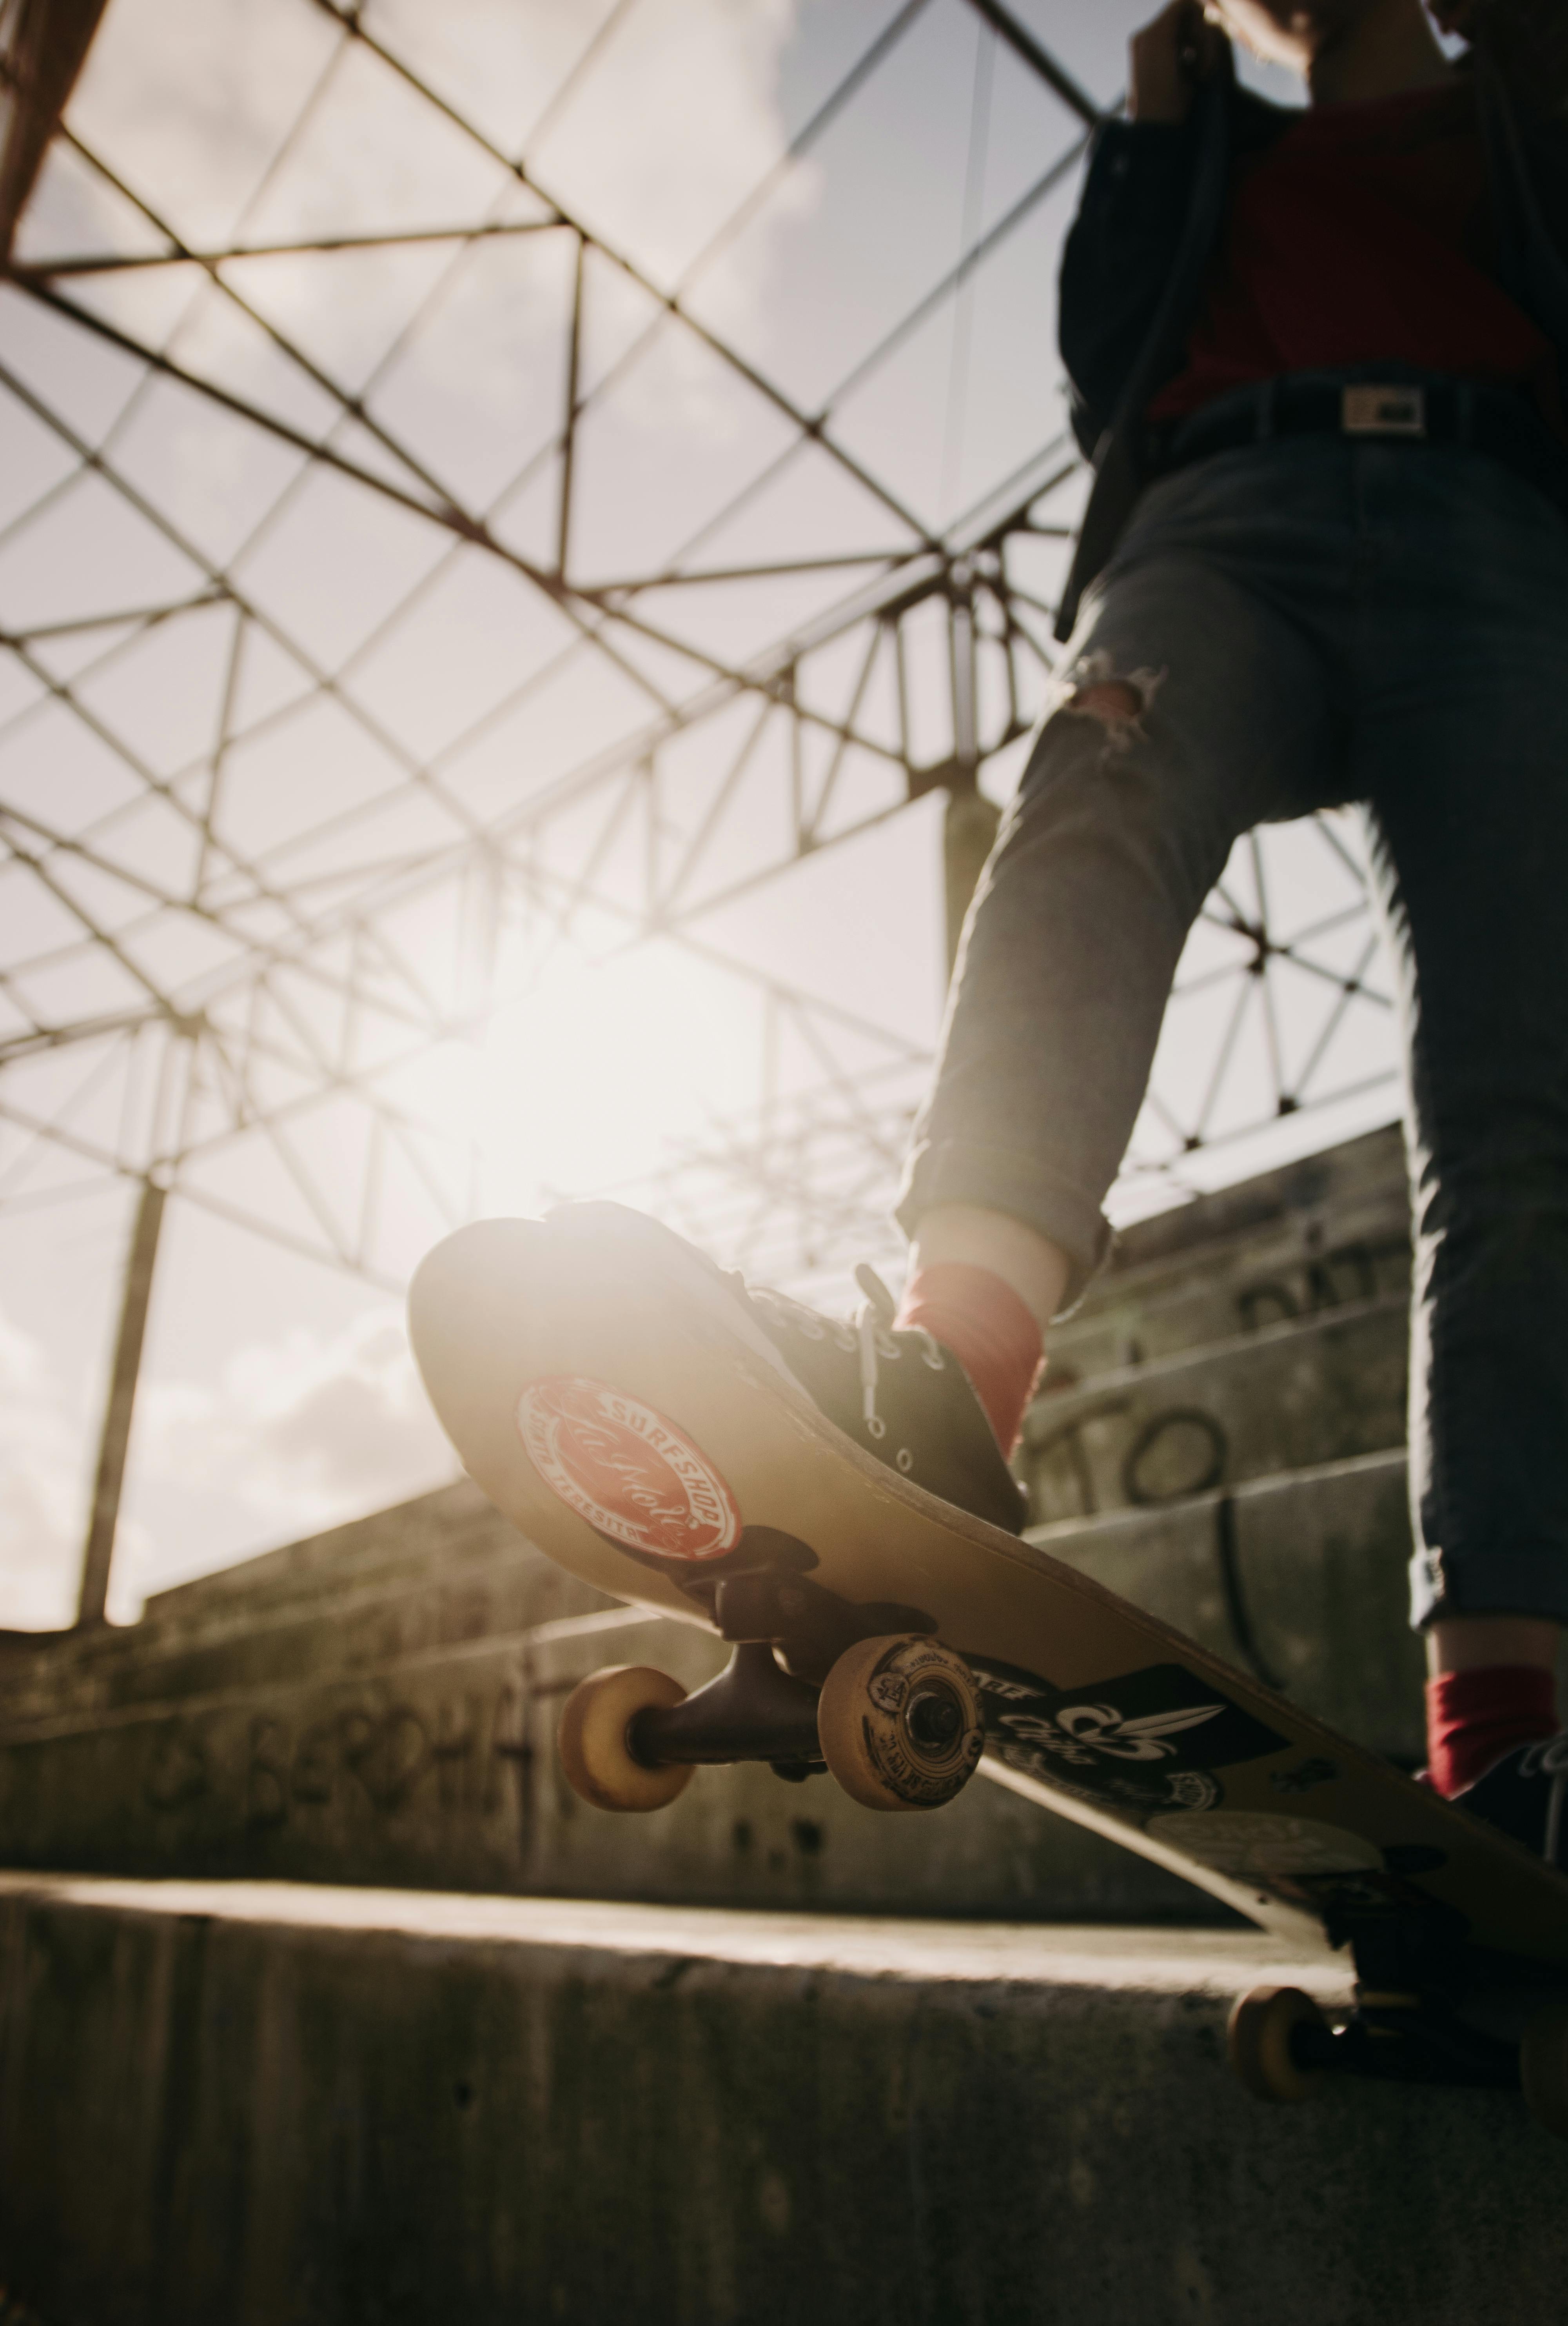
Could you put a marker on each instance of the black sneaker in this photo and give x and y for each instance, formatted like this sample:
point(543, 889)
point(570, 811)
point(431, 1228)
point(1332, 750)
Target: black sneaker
point(898, 1394)
point(1526, 1796)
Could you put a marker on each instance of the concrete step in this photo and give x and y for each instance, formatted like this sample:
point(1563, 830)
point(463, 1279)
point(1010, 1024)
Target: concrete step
point(444, 1528)
point(1300, 1578)
point(436, 1573)
point(1298, 1266)
point(1284, 1397)
point(500, 1589)
point(1330, 1230)
point(1366, 1171)
point(453, 1532)
point(330, 2106)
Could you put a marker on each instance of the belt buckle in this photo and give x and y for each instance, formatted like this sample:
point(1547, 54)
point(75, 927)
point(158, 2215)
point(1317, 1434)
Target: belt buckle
point(1368, 411)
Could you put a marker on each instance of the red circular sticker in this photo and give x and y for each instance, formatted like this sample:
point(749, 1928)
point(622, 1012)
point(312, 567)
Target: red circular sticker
point(626, 1469)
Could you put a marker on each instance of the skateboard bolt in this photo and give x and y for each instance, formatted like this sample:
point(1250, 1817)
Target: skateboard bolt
point(933, 1718)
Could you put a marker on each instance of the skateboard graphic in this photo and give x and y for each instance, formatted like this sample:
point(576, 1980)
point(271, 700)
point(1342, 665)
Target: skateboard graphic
point(617, 1401)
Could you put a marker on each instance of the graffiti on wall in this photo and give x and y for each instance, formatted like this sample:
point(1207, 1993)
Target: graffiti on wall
point(468, 1754)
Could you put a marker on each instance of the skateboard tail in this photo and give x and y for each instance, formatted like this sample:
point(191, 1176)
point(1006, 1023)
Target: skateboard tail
point(509, 1293)
point(552, 1352)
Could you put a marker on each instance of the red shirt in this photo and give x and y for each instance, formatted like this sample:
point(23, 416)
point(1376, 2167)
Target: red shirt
point(1360, 234)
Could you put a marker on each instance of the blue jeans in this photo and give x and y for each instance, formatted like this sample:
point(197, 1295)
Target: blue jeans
point(1308, 621)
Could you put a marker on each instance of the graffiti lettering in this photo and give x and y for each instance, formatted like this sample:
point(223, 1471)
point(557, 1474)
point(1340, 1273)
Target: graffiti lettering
point(266, 1789)
point(1357, 1270)
point(1195, 1456)
point(176, 1771)
point(459, 1757)
point(1065, 1444)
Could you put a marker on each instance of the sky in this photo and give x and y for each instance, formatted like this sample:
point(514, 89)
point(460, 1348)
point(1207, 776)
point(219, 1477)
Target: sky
point(383, 689)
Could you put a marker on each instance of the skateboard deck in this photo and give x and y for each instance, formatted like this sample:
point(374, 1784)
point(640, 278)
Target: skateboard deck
point(616, 1400)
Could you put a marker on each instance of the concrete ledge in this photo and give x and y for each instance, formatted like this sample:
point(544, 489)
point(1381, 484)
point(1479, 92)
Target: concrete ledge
point(1302, 1577)
point(254, 2102)
point(1331, 1228)
point(1286, 1397)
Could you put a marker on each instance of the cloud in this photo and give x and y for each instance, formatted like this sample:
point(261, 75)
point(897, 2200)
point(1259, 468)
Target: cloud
point(300, 1433)
point(200, 106)
point(41, 1511)
point(306, 1430)
point(675, 128)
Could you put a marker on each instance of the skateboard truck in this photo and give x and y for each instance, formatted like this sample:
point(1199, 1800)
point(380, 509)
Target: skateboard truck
point(757, 1709)
point(1414, 1975)
point(896, 1718)
point(1405, 2039)
point(753, 1711)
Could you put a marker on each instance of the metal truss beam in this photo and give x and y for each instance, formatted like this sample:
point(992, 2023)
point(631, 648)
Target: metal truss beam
point(918, 662)
point(44, 44)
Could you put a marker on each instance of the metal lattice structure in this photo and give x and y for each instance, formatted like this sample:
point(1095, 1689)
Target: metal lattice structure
point(284, 827)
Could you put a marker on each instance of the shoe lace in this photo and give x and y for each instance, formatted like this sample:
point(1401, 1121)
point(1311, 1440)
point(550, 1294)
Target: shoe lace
point(794, 1314)
point(870, 1336)
point(873, 1331)
point(1550, 1760)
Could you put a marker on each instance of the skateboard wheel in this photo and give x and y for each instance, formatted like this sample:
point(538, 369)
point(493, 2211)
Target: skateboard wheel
point(899, 1723)
point(597, 1760)
point(1544, 2066)
point(1258, 2041)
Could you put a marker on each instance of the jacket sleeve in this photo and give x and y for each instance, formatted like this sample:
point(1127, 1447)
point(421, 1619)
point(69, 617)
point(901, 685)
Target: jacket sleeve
point(1116, 259)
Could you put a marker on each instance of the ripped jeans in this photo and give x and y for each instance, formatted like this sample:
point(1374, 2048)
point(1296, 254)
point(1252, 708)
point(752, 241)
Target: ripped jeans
point(1305, 622)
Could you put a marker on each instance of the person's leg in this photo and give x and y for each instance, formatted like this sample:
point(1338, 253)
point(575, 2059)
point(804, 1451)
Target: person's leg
point(966, 1235)
point(1464, 749)
point(1191, 706)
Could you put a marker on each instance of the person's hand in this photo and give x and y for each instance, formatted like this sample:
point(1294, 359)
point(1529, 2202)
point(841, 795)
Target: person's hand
point(1169, 58)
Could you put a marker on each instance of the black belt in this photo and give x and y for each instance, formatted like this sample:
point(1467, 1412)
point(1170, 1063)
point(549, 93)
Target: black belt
point(1432, 412)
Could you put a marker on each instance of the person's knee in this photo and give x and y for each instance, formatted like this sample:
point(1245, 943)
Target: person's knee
point(1098, 782)
point(1114, 702)
point(1117, 701)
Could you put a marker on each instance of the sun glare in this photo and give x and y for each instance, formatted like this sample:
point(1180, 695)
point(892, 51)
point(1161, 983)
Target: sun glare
point(589, 1078)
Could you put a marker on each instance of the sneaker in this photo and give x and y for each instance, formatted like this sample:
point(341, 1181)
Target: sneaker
point(899, 1394)
point(1526, 1796)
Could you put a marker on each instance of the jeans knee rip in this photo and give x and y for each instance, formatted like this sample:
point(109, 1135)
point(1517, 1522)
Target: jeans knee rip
point(1093, 688)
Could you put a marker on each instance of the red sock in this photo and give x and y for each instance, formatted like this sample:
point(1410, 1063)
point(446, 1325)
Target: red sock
point(1474, 1718)
point(990, 1330)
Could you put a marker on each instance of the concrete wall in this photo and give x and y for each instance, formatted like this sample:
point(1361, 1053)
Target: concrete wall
point(334, 2108)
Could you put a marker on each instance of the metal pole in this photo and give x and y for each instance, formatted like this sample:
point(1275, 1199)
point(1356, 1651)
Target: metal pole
point(42, 45)
point(1022, 42)
point(122, 1397)
point(970, 824)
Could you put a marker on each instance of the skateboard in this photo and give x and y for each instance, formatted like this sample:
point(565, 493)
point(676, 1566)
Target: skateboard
point(618, 1401)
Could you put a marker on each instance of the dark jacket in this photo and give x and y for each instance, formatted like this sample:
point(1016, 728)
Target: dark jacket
point(1133, 265)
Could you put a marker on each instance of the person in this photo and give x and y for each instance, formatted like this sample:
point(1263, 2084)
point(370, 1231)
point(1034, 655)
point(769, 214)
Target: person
point(1317, 359)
